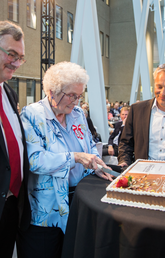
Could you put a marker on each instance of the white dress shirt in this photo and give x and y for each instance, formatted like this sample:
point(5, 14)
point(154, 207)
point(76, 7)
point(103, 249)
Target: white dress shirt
point(156, 134)
point(116, 139)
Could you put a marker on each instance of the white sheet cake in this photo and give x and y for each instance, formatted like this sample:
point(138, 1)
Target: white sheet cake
point(141, 185)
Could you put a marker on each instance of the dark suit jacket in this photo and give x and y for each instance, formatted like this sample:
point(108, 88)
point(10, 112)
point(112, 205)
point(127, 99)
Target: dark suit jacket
point(118, 128)
point(23, 203)
point(135, 135)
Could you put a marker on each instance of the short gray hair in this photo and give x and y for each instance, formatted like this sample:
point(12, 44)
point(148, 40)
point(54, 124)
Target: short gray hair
point(10, 28)
point(160, 68)
point(63, 74)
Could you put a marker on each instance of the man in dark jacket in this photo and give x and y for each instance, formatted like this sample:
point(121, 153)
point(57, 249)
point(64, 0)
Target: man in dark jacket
point(114, 138)
point(144, 132)
point(14, 166)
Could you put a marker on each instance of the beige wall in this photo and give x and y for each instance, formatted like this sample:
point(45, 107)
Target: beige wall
point(116, 20)
point(63, 48)
point(122, 49)
point(31, 69)
point(103, 12)
point(22, 93)
point(123, 46)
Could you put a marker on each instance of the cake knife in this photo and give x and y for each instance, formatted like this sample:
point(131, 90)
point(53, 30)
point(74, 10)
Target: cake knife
point(106, 170)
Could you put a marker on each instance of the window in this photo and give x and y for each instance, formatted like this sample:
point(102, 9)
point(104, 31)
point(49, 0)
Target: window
point(30, 91)
point(31, 13)
point(107, 46)
point(14, 84)
point(102, 42)
point(70, 28)
point(107, 2)
point(58, 22)
point(13, 10)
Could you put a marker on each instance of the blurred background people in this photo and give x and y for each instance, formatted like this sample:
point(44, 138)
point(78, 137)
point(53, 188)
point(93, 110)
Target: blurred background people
point(95, 136)
point(115, 110)
point(18, 107)
point(114, 139)
point(112, 147)
point(107, 103)
point(109, 114)
point(120, 105)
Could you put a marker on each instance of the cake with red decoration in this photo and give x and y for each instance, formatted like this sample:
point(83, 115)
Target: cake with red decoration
point(141, 185)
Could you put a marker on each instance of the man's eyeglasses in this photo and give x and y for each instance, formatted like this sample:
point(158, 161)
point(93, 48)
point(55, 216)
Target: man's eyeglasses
point(13, 57)
point(73, 97)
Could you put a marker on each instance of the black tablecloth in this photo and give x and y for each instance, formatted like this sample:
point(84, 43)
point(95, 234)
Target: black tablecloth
point(101, 230)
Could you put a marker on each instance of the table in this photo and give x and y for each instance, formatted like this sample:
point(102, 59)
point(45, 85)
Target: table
point(101, 230)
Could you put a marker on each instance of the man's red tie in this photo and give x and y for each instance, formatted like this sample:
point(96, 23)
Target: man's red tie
point(13, 150)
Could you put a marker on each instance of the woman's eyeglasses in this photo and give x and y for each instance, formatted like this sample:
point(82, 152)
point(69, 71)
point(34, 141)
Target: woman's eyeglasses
point(73, 97)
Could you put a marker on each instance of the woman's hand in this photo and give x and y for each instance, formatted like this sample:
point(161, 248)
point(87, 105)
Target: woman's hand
point(103, 174)
point(90, 161)
point(87, 160)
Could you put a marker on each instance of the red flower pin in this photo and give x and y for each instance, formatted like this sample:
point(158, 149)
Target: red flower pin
point(78, 132)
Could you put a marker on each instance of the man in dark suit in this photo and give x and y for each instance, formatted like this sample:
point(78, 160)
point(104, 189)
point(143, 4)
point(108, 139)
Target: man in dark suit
point(144, 132)
point(114, 138)
point(14, 166)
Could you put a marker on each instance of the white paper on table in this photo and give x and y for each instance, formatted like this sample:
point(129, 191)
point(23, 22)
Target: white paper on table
point(149, 167)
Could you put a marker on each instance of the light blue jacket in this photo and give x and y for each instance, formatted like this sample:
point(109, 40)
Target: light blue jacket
point(51, 161)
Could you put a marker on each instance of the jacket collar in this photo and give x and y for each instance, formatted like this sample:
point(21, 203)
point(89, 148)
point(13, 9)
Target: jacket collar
point(146, 128)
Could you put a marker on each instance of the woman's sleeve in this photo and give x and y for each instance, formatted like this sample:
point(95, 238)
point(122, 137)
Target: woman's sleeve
point(43, 161)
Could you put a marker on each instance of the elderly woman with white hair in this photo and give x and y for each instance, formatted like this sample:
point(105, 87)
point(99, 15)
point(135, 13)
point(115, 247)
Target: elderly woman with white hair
point(61, 152)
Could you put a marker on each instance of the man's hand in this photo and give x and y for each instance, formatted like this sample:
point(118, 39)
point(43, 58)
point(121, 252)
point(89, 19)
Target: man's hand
point(111, 125)
point(123, 164)
point(110, 150)
point(124, 120)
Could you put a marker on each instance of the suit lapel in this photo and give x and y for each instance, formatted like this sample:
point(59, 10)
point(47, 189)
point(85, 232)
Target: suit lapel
point(2, 144)
point(14, 106)
point(121, 130)
point(146, 126)
point(10, 97)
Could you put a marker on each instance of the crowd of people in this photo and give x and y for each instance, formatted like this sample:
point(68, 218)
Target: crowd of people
point(116, 117)
point(47, 149)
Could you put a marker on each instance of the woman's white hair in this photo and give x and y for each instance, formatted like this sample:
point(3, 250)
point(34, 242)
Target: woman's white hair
point(62, 75)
